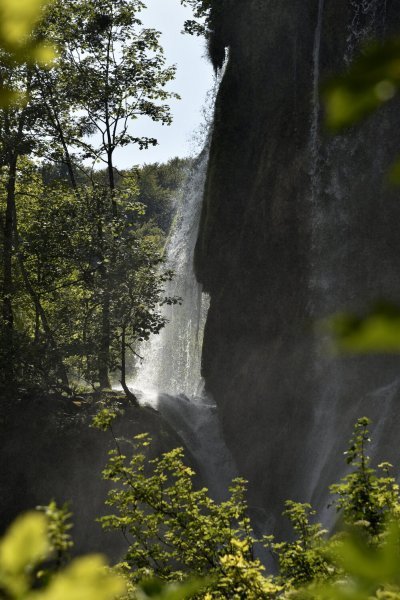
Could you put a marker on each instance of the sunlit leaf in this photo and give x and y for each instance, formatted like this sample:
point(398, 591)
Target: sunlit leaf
point(18, 17)
point(24, 546)
point(25, 542)
point(85, 579)
point(159, 590)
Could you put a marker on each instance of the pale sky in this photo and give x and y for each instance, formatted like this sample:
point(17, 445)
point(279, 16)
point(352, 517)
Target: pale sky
point(194, 78)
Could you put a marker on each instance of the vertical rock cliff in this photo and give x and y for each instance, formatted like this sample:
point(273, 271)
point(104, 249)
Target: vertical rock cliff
point(295, 226)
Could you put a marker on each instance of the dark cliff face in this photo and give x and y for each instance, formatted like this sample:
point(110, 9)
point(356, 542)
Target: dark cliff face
point(295, 226)
point(50, 451)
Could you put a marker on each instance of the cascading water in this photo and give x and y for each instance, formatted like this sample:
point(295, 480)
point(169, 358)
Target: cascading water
point(323, 432)
point(169, 376)
point(172, 359)
point(368, 16)
point(332, 217)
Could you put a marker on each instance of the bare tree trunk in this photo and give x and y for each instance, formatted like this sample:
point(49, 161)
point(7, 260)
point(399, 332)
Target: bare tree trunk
point(105, 338)
point(103, 358)
point(127, 391)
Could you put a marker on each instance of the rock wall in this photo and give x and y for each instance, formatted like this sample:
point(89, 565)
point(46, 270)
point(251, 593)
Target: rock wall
point(50, 451)
point(295, 226)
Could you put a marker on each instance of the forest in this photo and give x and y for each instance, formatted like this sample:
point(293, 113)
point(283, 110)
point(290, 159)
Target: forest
point(188, 348)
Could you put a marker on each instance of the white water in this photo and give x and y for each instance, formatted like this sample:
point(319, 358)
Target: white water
point(314, 134)
point(169, 377)
point(330, 226)
point(172, 359)
point(366, 15)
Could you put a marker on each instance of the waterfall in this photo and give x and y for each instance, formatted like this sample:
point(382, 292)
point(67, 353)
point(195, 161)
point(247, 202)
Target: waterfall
point(169, 376)
point(364, 22)
point(323, 432)
point(314, 136)
point(332, 217)
point(172, 359)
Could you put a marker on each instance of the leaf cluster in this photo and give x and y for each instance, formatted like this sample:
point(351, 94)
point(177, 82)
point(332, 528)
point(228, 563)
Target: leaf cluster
point(26, 546)
point(174, 529)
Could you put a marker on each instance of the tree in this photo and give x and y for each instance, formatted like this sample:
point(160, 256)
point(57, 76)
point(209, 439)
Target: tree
point(105, 45)
point(80, 264)
point(17, 139)
point(201, 23)
point(159, 189)
point(174, 530)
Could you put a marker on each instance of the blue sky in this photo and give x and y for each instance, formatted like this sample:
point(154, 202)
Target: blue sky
point(194, 78)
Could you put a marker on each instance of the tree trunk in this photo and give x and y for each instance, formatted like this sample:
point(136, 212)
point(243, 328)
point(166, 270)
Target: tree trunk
point(60, 368)
point(54, 116)
point(105, 337)
point(7, 291)
point(123, 357)
point(127, 391)
point(111, 180)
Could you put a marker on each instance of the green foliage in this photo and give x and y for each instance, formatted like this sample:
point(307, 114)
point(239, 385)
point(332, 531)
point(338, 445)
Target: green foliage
point(17, 44)
point(104, 418)
point(158, 189)
point(365, 498)
point(173, 529)
point(26, 545)
point(82, 275)
point(182, 544)
point(372, 80)
point(58, 530)
point(122, 63)
point(63, 258)
point(362, 571)
point(359, 560)
point(200, 25)
point(302, 560)
point(159, 590)
point(377, 332)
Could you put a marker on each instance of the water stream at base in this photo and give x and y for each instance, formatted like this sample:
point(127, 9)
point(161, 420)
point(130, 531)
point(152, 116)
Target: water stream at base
point(169, 377)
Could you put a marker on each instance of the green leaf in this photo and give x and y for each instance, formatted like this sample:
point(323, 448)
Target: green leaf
point(377, 332)
point(23, 547)
point(87, 578)
point(372, 80)
point(394, 173)
point(25, 543)
point(159, 590)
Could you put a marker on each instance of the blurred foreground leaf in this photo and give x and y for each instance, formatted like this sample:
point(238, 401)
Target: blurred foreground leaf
point(377, 332)
point(372, 80)
point(19, 45)
point(85, 578)
point(26, 545)
point(394, 173)
point(17, 21)
point(23, 547)
point(159, 590)
point(367, 571)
